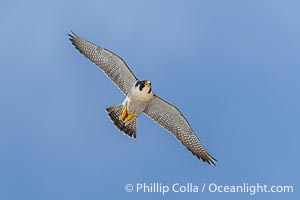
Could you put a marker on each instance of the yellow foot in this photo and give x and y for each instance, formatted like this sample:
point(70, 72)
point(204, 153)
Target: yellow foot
point(128, 117)
point(124, 114)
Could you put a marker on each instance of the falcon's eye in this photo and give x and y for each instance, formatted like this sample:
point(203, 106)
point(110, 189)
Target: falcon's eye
point(140, 85)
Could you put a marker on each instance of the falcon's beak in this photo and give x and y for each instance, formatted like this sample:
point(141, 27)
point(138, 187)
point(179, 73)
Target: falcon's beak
point(147, 83)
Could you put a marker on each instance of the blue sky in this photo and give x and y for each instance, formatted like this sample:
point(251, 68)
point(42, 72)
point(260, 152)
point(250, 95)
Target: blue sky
point(232, 67)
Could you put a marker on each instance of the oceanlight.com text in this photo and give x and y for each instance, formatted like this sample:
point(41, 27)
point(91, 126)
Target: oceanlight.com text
point(251, 189)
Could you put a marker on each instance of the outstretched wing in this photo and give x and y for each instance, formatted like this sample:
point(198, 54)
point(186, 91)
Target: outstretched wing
point(169, 117)
point(112, 65)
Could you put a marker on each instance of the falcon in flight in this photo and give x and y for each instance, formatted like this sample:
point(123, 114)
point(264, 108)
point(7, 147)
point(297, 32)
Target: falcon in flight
point(139, 98)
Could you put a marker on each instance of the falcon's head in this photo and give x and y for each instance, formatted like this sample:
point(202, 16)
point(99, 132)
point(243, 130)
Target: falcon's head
point(143, 89)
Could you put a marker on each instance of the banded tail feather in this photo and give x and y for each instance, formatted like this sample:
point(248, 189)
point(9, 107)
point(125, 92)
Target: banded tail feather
point(114, 113)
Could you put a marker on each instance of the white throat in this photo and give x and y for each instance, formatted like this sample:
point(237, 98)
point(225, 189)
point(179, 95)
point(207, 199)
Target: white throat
point(142, 95)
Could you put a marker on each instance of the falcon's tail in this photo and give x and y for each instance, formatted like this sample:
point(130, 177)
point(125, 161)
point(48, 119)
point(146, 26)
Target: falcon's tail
point(114, 112)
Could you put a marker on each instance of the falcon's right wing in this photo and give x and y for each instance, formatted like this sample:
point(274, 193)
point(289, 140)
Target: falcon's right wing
point(169, 117)
point(111, 64)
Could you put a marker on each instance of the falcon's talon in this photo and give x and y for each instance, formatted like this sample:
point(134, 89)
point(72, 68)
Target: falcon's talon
point(128, 117)
point(124, 114)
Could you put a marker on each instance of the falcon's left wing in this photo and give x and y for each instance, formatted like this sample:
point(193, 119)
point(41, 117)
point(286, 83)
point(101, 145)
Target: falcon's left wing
point(169, 117)
point(112, 65)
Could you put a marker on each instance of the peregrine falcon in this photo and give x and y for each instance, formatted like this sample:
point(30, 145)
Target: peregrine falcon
point(139, 98)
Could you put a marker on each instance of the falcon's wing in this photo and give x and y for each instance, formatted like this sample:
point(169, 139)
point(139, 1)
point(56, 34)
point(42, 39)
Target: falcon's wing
point(111, 64)
point(169, 117)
